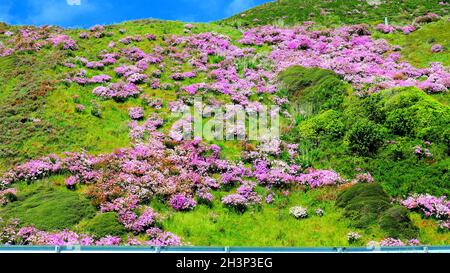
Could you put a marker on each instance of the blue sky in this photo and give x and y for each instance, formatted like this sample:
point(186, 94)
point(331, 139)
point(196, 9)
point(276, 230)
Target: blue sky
point(85, 13)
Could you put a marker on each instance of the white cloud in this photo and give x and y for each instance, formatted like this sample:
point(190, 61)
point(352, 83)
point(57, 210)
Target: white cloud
point(73, 2)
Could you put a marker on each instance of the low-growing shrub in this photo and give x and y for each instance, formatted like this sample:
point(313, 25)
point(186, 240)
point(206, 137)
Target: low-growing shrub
point(363, 203)
point(327, 123)
point(397, 224)
point(410, 112)
point(365, 137)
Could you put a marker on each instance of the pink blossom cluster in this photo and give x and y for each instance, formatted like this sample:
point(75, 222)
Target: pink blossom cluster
point(390, 29)
point(82, 79)
point(422, 152)
point(11, 233)
point(182, 202)
point(4, 51)
point(138, 132)
point(437, 48)
point(65, 41)
point(430, 206)
point(392, 242)
point(363, 178)
point(119, 91)
point(349, 51)
point(136, 113)
point(129, 39)
point(7, 195)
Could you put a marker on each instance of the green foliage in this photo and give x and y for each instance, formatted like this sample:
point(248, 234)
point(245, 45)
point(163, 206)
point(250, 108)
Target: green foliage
point(369, 205)
point(313, 89)
point(327, 123)
point(48, 208)
point(397, 224)
point(363, 203)
point(269, 225)
point(409, 111)
point(365, 137)
point(104, 224)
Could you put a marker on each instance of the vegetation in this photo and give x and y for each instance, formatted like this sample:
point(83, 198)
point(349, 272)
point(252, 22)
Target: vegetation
point(48, 207)
point(337, 12)
point(368, 204)
point(399, 135)
point(103, 224)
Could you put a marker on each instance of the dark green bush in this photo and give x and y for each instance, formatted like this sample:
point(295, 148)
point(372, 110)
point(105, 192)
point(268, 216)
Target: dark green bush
point(104, 224)
point(363, 203)
point(397, 224)
point(365, 137)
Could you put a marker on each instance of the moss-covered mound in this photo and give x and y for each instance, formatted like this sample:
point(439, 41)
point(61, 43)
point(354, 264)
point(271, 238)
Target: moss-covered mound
point(49, 208)
point(363, 203)
point(104, 224)
point(313, 89)
point(367, 204)
point(397, 224)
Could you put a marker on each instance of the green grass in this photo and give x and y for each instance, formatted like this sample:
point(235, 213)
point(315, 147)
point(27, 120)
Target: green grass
point(416, 47)
point(268, 225)
point(103, 224)
point(47, 206)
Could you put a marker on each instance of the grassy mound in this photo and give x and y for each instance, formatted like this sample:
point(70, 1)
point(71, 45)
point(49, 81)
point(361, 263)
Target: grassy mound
point(363, 203)
point(397, 224)
point(312, 89)
point(368, 204)
point(103, 224)
point(48, 208)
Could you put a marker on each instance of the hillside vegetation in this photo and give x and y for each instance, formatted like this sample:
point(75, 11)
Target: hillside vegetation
point(91, 153)
point(337, 12)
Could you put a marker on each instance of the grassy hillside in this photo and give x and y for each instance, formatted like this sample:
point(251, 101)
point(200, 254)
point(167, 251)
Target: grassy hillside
point(366, 139)
point(336, 12)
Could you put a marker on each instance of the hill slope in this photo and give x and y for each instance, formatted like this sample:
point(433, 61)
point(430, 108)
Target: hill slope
point(337, 12)
point(87, 123)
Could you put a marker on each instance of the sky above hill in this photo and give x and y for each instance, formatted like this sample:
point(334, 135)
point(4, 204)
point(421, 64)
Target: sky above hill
point(85, 13)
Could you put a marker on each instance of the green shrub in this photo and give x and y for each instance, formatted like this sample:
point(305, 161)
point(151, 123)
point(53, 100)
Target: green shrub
point(411, 112)
point(397, 224)
point(104, 224)
point(363, 203)
point(365, 137)
point(327, 123)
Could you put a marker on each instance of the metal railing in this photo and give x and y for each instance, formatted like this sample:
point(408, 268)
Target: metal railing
point(140, 249)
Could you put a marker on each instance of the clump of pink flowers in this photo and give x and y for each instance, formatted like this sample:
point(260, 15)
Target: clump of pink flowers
point(437, 48)
point(136, 113)
point(430, 206)
point(119, 91)
point(7, 196)
point(181, 202)
point(65, 41)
